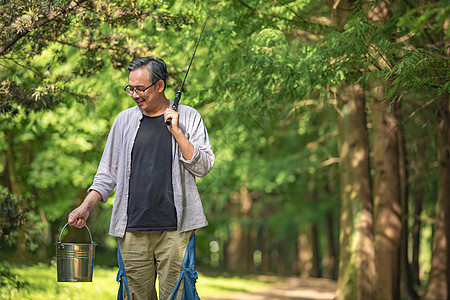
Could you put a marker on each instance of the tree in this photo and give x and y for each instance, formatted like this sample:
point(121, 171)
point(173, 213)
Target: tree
point(94, 29)
point(356, 262)
point(387, 225)
point(356, 265)
point(387, 209)
point(438, 286)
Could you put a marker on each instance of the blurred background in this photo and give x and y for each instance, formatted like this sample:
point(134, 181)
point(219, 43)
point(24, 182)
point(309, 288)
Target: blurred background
point(330, 122)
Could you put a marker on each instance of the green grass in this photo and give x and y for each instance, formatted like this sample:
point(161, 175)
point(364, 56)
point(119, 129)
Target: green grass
point(39, 282)
point(42, 284)
point(221, 285)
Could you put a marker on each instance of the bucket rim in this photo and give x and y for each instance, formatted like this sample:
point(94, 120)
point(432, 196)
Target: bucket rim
point(73, 244)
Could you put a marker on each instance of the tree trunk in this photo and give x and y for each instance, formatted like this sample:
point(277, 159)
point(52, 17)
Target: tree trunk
point(315, 272)
point(387, 210)
point(6, 180)
point(418, 200)
point(234, 247)
point(252, 247)
point(356, 259)
point(438, 286)
point(9, 176)
point(387, 201)
point(407, 290)
point(444, 176)
point(238, 252)
point(280, 258)
point(11, 182)
point(265, 252)
point(330, 259)
point(329, 263)
point(313, 198)
point(305, 254)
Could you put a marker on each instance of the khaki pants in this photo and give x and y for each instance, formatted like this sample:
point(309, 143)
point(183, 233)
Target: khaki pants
point(150, 253)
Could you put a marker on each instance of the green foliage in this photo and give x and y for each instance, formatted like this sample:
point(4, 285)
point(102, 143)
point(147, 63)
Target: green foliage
point(98, 31)
point(11, 284)
point(427, 19)
point(13, 215)
point(260, 125)
point(430, 70)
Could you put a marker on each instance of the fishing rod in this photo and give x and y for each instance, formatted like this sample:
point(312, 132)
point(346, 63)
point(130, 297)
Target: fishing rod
point(178, 95)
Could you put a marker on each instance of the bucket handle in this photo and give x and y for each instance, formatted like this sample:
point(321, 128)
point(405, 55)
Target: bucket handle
point(90, 235)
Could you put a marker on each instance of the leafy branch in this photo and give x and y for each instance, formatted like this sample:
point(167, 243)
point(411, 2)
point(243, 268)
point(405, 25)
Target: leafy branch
point(28, 23)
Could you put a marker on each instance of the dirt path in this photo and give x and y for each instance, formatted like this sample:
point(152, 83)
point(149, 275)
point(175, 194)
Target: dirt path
point(293, 288)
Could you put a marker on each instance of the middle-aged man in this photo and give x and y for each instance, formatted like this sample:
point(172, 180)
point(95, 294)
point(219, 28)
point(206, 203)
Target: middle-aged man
point(153, 167)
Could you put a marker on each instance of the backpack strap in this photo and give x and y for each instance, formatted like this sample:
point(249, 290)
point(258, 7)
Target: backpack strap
point(188, 274)
point(121, 276)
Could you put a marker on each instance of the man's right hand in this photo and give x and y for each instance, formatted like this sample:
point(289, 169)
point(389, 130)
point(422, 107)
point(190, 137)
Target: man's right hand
point(78, 216)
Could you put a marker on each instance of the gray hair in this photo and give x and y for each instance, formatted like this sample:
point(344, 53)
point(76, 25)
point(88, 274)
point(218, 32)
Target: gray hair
point(156, 67)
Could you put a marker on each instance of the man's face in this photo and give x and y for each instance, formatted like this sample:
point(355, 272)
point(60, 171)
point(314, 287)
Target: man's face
point(138, 79)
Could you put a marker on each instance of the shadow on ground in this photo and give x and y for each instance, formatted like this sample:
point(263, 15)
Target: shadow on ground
point(292, 288)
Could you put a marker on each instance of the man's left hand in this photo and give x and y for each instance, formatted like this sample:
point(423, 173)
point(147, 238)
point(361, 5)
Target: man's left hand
point(174, 115)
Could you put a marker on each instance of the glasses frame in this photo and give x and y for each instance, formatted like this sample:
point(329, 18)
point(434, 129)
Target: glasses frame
point(138, 91)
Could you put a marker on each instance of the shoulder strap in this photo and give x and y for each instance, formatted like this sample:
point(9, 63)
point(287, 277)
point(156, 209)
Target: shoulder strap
point(121, 276)
point(188, 274)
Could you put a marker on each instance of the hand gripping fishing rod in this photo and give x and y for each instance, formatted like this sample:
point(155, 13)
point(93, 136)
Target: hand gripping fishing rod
point(178, 95)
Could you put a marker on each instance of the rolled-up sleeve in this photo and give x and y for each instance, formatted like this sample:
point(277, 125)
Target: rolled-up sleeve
point(202, 160)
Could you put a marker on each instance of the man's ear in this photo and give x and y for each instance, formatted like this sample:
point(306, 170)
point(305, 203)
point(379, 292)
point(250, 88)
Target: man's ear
point(160, 85)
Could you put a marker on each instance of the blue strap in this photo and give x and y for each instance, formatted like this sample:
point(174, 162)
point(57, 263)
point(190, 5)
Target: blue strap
point(188, 274)
point(121, 276)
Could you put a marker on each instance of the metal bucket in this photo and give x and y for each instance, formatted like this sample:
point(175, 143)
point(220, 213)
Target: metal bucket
point(75, 262)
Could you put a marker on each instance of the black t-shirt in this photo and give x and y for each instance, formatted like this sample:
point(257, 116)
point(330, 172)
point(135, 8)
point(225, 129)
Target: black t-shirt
point(150, 203)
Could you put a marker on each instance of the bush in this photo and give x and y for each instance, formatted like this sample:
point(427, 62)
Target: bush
point(13, 215)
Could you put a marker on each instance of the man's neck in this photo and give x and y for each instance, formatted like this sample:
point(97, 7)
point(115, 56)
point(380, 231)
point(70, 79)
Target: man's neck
point(159, 109)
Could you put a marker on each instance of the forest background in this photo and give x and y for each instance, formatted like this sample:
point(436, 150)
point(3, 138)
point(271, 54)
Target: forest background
point(330, 121)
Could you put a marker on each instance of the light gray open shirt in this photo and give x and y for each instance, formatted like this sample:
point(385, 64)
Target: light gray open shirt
point(115, 167)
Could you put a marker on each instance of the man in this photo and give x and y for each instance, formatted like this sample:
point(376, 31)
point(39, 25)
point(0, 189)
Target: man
point(153, 168)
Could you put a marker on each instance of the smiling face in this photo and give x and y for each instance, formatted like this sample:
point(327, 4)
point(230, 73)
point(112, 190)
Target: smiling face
point(152, 102)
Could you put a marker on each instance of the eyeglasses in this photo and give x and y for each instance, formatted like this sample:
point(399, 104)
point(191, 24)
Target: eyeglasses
point(130, 90)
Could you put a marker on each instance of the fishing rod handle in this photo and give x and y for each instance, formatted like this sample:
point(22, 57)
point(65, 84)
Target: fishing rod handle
point(174, 107)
